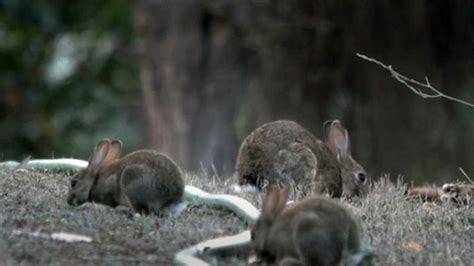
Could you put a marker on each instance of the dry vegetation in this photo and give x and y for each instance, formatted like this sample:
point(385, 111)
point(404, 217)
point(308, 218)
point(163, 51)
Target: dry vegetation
point(36, 202)
point(400, 232)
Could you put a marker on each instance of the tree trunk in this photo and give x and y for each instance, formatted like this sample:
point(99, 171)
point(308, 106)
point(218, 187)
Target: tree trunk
point(193, 74)
point(215, 70)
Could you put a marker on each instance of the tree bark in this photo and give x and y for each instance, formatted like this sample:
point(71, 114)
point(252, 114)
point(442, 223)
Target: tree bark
point(193, 74)
point(215, 70)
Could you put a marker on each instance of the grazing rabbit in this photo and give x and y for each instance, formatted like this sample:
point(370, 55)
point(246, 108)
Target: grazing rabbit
point(459, 193)
point(425, 194)
point(315, 231)
point(284, 151)
point(144, 180)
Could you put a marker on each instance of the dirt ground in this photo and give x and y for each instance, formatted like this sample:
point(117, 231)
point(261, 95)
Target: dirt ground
point(33, 206)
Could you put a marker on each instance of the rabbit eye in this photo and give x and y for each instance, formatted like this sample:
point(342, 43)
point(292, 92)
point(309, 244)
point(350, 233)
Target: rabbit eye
point(73, 183)
point(361, 177)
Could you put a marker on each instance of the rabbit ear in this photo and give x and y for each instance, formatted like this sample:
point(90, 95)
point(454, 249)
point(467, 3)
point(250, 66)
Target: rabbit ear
point(283, 198)
point(114, 152)
point(326, 127)
point(339, 139)
point(270, 202)
point(100, 152)
point(275, 201)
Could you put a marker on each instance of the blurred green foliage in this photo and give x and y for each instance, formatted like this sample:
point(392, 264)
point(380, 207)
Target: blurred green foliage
point(67, 76)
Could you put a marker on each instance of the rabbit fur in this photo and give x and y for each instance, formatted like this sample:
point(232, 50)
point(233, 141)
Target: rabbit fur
point(315, 231)
point(459, 194)
point(425, 194)
point(283, 151)
point(145, 180)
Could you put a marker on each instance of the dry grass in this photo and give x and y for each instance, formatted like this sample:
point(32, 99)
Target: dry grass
point(408, 233)
point(36, 202)
point(400, 232)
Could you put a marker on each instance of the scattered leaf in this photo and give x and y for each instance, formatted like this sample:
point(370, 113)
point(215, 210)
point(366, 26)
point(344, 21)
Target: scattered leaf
point(412, 246)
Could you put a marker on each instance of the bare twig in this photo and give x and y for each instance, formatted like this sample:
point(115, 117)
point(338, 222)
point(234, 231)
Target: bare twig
point(119, 259)
point(465, 175)
point(61, 236)
point(424, 90)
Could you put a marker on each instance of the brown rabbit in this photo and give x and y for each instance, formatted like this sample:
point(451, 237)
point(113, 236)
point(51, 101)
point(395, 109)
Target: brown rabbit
point(425, 194)
point(459, 193)
point(283, 150)
point(315, 231)
point(144, 180)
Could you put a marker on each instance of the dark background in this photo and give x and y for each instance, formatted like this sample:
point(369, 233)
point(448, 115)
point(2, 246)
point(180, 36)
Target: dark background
point(193, 77)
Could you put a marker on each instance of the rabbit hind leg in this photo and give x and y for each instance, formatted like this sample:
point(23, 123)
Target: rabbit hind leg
point(146, 193)
point(316, 244)
point(133, 189)
point(139, 208)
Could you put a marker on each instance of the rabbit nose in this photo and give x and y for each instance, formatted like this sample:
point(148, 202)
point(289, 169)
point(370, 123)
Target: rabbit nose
point(361, 176)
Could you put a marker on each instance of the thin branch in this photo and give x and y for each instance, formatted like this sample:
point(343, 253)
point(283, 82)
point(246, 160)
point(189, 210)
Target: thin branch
point(465, 175)
point(424, 90)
